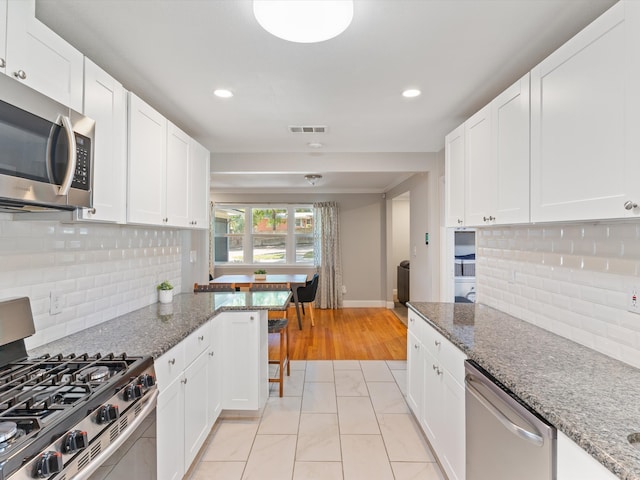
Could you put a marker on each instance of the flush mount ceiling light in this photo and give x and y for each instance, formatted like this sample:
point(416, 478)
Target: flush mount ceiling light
point(315, 145)
point(304, 21)
point(223, 93)
point(411, 93)
point(313, 178)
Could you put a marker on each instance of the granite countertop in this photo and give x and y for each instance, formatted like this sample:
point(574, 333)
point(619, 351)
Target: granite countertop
point(591, 398)
point(154, 329)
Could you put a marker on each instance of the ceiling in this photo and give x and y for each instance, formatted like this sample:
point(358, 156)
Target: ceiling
point(460, 53)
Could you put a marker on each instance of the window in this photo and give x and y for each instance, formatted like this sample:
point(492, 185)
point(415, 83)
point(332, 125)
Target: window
point(277, 234)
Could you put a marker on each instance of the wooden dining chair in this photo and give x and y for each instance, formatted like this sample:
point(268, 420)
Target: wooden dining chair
point(214, 287)
point(278, 323)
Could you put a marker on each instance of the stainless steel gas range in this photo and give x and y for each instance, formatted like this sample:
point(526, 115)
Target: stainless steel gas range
point(62, 416)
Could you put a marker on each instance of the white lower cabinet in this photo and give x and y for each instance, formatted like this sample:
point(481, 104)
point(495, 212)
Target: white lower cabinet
point(245, 383)
point(436, 369)
point(576, 464)
point(193, 389)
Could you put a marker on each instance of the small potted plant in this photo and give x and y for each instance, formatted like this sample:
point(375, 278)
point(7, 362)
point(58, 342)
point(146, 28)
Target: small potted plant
point(165, 292)
point(260, 274)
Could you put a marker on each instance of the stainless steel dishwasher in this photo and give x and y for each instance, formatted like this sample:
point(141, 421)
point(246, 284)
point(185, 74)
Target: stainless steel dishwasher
point(505, 440)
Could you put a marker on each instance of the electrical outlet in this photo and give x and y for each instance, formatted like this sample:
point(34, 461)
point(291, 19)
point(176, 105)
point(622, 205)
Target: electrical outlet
point(344, 289)
point(633, 302)
point(193, 256)
point(55, 303)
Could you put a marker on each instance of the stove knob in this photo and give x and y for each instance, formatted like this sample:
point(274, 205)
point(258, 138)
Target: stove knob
point(75, 440)
point(48, 463)
point(147, 380)
point(132, 391)
point(107, 413)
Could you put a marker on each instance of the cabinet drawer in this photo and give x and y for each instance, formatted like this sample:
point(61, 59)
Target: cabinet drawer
point(169, 366)
point(196, 343)
point(450, 357)
point(416, 324)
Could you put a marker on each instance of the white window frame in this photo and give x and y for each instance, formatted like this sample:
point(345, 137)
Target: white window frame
point(248, 236)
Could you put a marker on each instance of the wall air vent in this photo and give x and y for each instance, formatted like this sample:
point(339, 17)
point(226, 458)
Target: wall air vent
point(308, 128)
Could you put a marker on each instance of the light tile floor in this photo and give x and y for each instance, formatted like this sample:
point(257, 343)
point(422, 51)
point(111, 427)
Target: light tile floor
point(338, 420)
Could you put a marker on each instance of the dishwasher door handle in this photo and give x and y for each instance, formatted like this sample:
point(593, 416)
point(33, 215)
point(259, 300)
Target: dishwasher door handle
point(532, 437)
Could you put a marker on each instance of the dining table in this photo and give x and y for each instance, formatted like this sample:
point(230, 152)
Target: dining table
point(247, 281)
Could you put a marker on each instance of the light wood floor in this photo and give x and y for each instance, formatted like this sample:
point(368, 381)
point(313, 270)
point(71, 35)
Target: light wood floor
point(347, 334)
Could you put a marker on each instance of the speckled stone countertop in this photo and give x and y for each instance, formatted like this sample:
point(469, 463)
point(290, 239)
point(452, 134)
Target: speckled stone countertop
point(591, 398)
point(154, 329)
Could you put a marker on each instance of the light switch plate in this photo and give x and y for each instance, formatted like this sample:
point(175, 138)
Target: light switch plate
point(55, 303)
point(633, 300)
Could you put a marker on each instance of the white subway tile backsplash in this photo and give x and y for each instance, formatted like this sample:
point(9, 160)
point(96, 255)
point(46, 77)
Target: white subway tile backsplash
point(570, 279)
point(101, 271)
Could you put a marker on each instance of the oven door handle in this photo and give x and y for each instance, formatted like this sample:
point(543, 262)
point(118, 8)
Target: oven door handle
point(93, 465)
point(525, 434)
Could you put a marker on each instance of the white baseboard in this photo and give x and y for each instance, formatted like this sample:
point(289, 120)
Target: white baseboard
point(364, 304)
point(390, 305)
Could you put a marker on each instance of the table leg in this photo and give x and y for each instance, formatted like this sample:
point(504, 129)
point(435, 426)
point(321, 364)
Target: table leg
point(295, 301)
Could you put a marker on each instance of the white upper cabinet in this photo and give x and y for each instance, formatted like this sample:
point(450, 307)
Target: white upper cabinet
point(497, 159)
point(510, 145)
point(178, 177)
point(39, 58)
point(199, 198)
point(147, 164)
point(479, 169)
point(454, 178)
point(105, 101)
point(3, 35)
point(583, 164)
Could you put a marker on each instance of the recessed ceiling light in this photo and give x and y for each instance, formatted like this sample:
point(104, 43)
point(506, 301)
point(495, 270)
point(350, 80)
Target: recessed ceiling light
point(223, 93)
point(411, 93)
point(304, 21)
point(315, 145)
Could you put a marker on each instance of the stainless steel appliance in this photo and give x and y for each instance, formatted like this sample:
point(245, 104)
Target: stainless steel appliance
point(46, 152)
point(63, 416)
point(505, 440)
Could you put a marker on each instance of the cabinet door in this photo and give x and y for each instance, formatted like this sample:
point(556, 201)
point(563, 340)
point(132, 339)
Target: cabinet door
point(3, 35)
point(178, 177)
point(147, 163)
point(199, 186)
point(454, 178)
point(170, 432)
point(215, 373)
point(241, 353)
point(479, 169)
point(105, 101)
point(510, 134)
point(196, 402)
point(432, 401)
point(579, 167)
point(47, 62)
point(576, 464)
point(452, 428)
point(415, 374)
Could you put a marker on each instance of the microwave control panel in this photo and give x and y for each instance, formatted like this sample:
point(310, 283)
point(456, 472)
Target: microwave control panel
point(82, 175)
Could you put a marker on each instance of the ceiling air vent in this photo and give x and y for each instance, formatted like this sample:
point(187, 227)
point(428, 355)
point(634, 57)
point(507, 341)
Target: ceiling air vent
point(308, 128)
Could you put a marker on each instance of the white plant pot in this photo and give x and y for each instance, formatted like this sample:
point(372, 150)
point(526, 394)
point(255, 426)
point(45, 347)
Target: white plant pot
point(260, 276)
point(165, 296)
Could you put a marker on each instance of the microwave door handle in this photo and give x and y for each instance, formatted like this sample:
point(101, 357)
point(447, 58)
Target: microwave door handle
point(49, 162)
point(73, 156)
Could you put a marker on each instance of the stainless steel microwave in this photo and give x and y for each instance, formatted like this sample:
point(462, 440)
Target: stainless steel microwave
point(46, 152)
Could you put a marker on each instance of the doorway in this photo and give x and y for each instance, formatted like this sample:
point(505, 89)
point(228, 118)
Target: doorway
point(400, 253)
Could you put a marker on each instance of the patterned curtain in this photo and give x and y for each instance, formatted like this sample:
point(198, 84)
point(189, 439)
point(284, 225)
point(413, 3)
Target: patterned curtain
point(328, 256)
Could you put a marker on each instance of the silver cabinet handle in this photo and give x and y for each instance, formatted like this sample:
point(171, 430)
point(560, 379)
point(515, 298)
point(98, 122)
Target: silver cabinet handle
point(184, 382)
point(172, 361)
point(92, 211)
point(416, 346)
point(201, 337)
point(251, 317)
point(21, 74)
point(629, 205)
point(531, 437)
point(459, 222)
point(411, 320)
point(437, 343)
point(212, 354)
point(437, 369)
point(2, 63)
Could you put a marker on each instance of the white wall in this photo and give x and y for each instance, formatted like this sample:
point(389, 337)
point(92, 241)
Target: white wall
point(571, 279)
point(101, 271)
